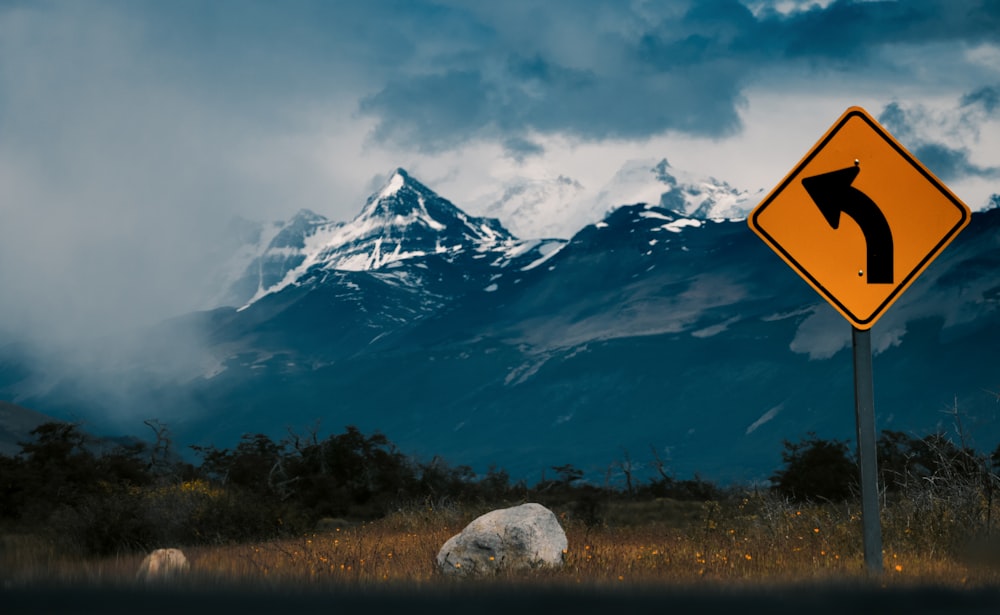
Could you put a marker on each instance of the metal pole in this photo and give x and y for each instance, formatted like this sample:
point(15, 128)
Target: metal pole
point(864, 407)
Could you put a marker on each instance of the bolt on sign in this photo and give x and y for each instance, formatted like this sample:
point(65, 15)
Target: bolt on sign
point(859, 218)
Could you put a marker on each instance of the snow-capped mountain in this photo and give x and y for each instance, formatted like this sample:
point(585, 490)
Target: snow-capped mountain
point(332, 289)
point(406, 220)
point(559, 207)
point(403, 223)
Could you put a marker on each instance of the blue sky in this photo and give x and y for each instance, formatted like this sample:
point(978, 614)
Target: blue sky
point(131, 131)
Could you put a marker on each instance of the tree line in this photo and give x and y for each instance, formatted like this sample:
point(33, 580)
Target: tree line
point(100, 498)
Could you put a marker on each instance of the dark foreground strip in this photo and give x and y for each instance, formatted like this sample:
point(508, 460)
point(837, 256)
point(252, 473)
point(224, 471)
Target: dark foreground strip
point(820, 600)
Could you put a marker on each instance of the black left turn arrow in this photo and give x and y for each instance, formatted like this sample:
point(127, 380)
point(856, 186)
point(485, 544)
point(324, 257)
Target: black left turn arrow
point(833, 194)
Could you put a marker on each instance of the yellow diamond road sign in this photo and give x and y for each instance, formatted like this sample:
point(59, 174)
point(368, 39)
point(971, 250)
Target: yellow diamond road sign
point(859, 218)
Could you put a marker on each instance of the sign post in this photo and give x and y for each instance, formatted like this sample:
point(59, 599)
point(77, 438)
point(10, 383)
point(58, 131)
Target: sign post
point(859, 218)
point(864, 412)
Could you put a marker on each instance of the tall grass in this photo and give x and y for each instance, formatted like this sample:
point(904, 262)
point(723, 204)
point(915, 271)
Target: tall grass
point(756, 538)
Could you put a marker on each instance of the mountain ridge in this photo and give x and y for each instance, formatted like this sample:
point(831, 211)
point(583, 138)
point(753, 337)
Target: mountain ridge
point(648, 328)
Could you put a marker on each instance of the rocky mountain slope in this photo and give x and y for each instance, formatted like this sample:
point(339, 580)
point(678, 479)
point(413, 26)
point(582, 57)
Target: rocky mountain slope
point(652, 335)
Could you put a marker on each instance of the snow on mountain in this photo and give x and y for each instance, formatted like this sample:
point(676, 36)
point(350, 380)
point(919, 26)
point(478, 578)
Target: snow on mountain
point(402, 222)
point(649, 284)
point(649, 181)
point(560, 207)
point(405, 219)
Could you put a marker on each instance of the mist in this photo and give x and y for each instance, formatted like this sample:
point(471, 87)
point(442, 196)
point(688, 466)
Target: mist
point(118, 188)
point(121, 173)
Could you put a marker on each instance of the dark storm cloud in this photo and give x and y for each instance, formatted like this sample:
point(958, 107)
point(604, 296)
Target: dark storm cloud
point(854, 31)
point(946, 161)
point(986, 98)
point(676, 69)
point(897, 120)
point(442, 110)
point(951, 163)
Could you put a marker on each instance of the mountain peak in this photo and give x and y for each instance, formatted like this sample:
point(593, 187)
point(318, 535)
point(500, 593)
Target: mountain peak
point(405, 209)
point(398, 192)
point(397, 179)
point(402, 202)
point(403, 220)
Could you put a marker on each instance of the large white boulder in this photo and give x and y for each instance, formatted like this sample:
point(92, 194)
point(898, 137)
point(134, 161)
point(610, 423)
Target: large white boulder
point(163, 564)
point(523, 537)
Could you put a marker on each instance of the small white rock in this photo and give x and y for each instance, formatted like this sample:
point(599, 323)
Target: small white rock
point(163, 564)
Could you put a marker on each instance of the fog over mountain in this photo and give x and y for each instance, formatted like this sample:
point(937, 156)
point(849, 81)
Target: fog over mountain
point(658, 331)
point(561, 206)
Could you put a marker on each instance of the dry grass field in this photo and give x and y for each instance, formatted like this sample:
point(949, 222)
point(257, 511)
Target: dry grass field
point(652, 544)
point(739, 557)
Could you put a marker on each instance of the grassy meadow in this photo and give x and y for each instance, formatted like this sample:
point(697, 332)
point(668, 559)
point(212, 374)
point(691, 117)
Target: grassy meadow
point(753, 540)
